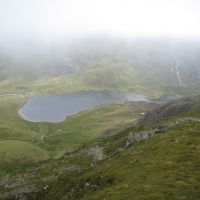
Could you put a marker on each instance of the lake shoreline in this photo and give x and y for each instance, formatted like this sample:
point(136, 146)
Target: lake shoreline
point(73, 102)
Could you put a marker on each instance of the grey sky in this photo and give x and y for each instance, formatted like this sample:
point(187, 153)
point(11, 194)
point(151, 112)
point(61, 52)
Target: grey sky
point(55, 18)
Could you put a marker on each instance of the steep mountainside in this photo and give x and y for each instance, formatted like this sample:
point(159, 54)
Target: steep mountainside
point(139, 65)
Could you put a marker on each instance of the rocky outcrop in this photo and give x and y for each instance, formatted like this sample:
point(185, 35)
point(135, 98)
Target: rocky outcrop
point(170, 109)
point(145, 135)
point(95, 152)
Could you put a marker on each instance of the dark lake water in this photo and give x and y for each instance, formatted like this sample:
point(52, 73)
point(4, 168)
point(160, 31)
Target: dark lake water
point(55, 107)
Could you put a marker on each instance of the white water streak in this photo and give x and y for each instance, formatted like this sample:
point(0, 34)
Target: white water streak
point(177, 70)
point(176, 66)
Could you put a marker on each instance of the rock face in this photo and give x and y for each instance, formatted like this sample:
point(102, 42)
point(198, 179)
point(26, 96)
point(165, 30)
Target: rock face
point(96, 152)
point(131, 138)
point(138, 136)
point(145, 135)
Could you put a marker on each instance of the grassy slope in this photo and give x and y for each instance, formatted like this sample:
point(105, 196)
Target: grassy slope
point(21, 150)
point(112, 78)
point(164, 167)
point(20, 136)
point(90, 124)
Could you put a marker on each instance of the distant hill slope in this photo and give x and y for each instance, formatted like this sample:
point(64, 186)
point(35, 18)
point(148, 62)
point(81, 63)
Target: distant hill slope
point(138, 65)
point(185, 106)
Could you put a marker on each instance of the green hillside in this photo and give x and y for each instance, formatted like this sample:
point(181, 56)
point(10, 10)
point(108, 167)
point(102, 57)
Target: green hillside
point(144, 65)
point(154, 160)
point(27, 142)
point(91, 155)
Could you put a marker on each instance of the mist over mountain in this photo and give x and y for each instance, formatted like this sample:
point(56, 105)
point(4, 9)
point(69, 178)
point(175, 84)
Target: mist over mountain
point(148, 60)
point(149, 43)
point(99, 99)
